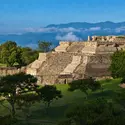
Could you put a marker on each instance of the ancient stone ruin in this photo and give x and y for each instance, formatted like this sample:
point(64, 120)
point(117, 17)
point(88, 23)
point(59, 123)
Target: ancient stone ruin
point(76, 60)
point(11, 70)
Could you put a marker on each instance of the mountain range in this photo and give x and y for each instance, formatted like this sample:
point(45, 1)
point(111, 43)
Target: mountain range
point(75, 31)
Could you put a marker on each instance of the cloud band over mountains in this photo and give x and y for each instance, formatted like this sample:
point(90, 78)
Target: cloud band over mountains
point(54, 29)
point(71, 29)
point(66, 32)
point(68, 37)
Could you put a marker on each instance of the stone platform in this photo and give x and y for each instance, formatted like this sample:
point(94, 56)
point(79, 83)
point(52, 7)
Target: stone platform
point(76, 60)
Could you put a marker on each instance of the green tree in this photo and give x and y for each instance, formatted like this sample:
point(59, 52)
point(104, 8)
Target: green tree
point(48, 93)
point(120, 98)
point(28, 55)
point(9, 53)
point(12, 86)
point(24, 103)
point(97, 112)
point(44, 46)
point(85, 85)
point(117, 64)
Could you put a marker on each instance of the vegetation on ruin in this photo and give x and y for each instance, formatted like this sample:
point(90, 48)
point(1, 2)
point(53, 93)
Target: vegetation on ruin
point(117, 64)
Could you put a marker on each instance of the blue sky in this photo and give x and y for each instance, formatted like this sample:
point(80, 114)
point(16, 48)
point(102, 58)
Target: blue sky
point(18, 14)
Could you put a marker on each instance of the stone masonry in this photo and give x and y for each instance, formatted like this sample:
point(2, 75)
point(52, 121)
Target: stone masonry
point(76, 60)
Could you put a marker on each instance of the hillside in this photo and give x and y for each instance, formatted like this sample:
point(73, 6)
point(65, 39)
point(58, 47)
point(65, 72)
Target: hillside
point(75, 31)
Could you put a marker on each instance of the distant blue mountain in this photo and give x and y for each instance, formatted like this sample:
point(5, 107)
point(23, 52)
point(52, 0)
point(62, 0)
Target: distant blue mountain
point(85, 25)
point(74, 31)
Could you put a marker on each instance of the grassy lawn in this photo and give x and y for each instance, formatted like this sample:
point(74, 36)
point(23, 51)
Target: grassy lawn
point(59, 107)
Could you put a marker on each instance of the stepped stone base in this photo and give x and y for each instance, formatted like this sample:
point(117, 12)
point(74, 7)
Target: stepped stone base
point(76, 60)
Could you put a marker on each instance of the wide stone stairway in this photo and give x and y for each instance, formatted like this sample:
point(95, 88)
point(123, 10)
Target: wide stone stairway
point(32, 68)
point(72, 66)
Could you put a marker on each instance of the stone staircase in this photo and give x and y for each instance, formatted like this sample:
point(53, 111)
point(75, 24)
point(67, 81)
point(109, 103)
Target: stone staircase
point(81, 69)
point(53, 66)
point(33, 68)
point(72, 66)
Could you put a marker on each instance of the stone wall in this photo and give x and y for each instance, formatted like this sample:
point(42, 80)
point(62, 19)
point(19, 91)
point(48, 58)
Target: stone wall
point(107, 38)
point(109, 47)
point(103, 38)
point(10, 70)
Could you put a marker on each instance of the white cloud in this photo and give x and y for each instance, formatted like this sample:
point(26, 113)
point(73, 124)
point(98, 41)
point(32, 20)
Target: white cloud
point(62, 30)
point(52, 29)
point(69, 29)
point(94, 28)
point(120, 29)
point(68, 37)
